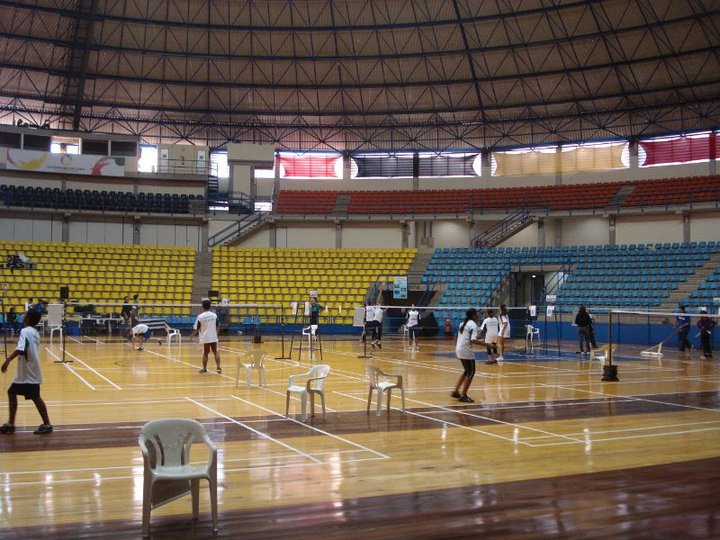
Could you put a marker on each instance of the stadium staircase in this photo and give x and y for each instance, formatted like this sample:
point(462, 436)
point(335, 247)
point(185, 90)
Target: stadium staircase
point(342, 205)
point(237, 230)
point(622, 193)
point(683, 294)
point(504, 229)
point(202, 279)
point(420, 263)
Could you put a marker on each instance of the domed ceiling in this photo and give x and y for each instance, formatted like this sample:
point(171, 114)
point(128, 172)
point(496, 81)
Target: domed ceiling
point(363, 74)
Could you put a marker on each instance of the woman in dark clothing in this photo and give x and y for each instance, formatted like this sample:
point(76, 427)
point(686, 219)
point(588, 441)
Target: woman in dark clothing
point(706, 325)
point(583, 322)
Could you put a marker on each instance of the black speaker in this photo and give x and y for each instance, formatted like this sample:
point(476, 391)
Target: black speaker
point(64, 293)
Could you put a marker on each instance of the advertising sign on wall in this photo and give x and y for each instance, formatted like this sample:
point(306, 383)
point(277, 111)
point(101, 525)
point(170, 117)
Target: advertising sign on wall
point(32, 160)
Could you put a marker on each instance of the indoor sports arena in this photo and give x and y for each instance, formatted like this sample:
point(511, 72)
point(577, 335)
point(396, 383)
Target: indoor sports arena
point(359, 269)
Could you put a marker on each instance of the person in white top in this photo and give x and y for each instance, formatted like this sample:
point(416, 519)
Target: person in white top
point(369, 318)
point(28, 377)
point(140, 332)
point(467, 336)
point(412, 323)
point(491, 327)
point(504, 330)
point(206, 326)
point(377, 326)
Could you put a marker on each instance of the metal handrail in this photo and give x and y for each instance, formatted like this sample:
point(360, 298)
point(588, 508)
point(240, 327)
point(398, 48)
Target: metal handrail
point(236, 228)
point(186, 166)
point(495, 233)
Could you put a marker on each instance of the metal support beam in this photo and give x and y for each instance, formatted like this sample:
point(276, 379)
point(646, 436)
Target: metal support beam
point(77, 64)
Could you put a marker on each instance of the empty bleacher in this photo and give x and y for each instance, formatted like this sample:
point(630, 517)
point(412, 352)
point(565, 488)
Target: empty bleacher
point(306, 202)
point(633, 276)
point(98, 273)
point(115, 201)
point(282, 276)
point(706, 292)
point(551, 198)
point(671, 191)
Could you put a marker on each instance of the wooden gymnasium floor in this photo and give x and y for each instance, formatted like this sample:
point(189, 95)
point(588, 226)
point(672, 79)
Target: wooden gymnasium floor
point(547, 450)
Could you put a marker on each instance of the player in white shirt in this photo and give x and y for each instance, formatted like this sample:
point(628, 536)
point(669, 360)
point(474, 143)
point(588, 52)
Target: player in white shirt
point(206, 327)
point(377, 324)
point(369, 318)
point(491, 327)
point(140, 332)
point(28, 377)
point(467, 336)
point(504, 330)
point(412, 323)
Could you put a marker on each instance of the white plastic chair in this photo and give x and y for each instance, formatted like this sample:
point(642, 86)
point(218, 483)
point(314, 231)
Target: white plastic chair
point(253, 360)
point(311, 333)
point(379, 381)
point(313, 385)
point(173, 333)
point(54, 321)
point(165, 446)
point(531, 333)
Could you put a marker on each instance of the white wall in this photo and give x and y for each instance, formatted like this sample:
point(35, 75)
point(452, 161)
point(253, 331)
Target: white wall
point(264, 186)
point(649, 230)
point(583, 231)
point(98, 232)
point(549, 232)
point(260, 238)
point(240, 178)
point(705, 226)
point(447, 234)
point(318, 235)
point(371, 235)
point(35, 230)
point(161, 234)
point(526, 237)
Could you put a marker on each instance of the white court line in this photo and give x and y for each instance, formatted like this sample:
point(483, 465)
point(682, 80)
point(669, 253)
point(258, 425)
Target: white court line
point(312, 427)
point(487, 418)
point(97, 341)
point(139, 466)
point(71, 369)
point(257, 432)
point(92, 369)
point(139, 424)
point(623, 430)
point(233, 378)
point(130, 477)
point(630, 437)
point(637, 398)
point(336, 372)
point(130, 401)
point(502, 422)
point(448, 423)
point(399, 361)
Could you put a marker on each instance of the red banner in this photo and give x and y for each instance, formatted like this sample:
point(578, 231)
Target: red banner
point(309, 166)
point(680, 150)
